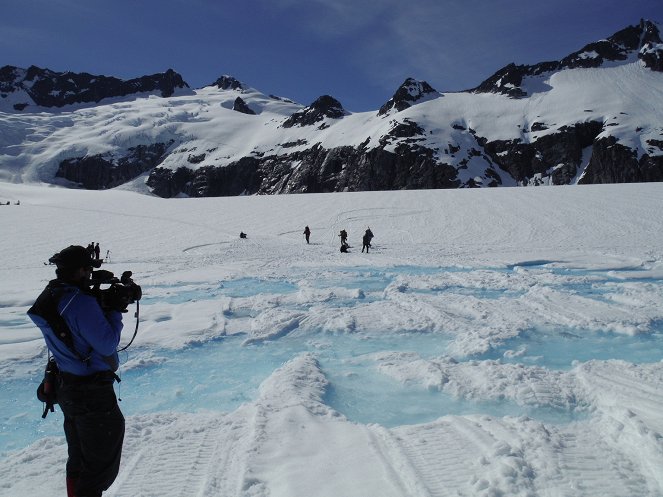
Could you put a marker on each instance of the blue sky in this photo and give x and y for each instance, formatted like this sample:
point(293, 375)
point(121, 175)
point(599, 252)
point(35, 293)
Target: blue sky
point(358, 51)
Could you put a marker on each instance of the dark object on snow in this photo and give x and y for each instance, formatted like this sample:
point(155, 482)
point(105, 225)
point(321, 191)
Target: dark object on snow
point(366, 240)
point(242, 234)
point(74, 257)
point(47, 389)
point(307, 233)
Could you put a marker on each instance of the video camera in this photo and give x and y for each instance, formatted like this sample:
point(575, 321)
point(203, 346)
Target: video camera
point(121, 292)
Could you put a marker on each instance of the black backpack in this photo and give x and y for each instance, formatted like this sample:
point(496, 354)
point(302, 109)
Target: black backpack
point(47, 391)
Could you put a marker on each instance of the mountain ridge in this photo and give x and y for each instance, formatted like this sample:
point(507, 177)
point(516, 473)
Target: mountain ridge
point(584, 119)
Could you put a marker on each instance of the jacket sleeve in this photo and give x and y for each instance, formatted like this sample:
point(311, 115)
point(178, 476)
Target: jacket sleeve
point(88, 321)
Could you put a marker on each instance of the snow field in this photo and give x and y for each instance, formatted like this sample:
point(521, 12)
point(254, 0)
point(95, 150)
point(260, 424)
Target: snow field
point(498, 276)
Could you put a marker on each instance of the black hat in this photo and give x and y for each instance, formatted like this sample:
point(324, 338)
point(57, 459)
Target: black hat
point(73, 257)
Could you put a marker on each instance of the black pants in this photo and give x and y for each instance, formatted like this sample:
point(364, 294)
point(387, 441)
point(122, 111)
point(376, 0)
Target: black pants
point(94, 428)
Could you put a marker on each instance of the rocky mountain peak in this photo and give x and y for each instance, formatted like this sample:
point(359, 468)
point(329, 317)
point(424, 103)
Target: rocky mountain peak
point(228, 83)
point(643, 40)
point(651, 50)
point(323, 107)
point(46, 88)
point(408, 93)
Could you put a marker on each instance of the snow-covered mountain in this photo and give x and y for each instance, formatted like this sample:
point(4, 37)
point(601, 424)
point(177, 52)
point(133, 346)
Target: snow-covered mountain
point(592, 117)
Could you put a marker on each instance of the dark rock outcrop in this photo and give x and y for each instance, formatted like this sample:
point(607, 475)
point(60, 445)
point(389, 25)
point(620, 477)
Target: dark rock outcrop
point(47, 88)
point(555, 155)
point(317, 170)
point(98, 172)
point(612, 162)
point(323, 107)
point(239, 178)
point(228, 83)
point(241, 106)
point(407, 94)
point(645, 39)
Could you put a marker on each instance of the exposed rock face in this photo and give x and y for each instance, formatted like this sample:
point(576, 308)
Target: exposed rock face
point(47, 88)
point(557, 156)
point(407, 94)
point(324, 107)
point(228, 83)
point(241, 106)
point(644, 39)
point(99, 172)
point(238, 178)
point(315, 170)
point(612, 162)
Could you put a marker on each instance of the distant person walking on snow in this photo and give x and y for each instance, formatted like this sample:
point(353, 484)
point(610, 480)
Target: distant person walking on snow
point(97, 251)
point(344, 237)
point(366, 240)
point(307, 233)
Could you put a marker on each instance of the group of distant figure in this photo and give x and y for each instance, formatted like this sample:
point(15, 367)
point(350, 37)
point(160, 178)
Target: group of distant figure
point(18, 202)
point(366, 239)
point(94, 251)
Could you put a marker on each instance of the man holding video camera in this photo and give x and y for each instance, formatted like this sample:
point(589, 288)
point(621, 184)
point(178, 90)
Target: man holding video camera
point(82, 331)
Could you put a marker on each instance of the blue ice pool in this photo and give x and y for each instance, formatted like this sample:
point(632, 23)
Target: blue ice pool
point(222, 374)
point(560, 348)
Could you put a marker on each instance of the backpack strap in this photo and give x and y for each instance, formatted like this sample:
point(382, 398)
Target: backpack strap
point(46, 306)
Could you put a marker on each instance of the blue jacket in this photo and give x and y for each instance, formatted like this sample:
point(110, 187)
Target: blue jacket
point(95, 333)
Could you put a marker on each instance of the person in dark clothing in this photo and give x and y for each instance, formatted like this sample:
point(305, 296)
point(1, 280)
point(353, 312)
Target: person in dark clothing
point(344, 236)
point(97, 251)
point(344, 247)
point(242, 234)
point(307, 233)
point(365, 243)
point(87, 359)
point(366, 240)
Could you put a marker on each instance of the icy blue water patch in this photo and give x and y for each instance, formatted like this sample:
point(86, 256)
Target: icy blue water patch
point(223, 374)
point(20, 419)
point(248, 287)
point(355, 396)
point(560, 348)
point(478, 292)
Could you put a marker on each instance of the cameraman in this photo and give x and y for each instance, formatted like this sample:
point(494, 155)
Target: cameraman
point(83, 339)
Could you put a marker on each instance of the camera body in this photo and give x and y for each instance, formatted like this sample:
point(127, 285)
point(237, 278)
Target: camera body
point(119, 294)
